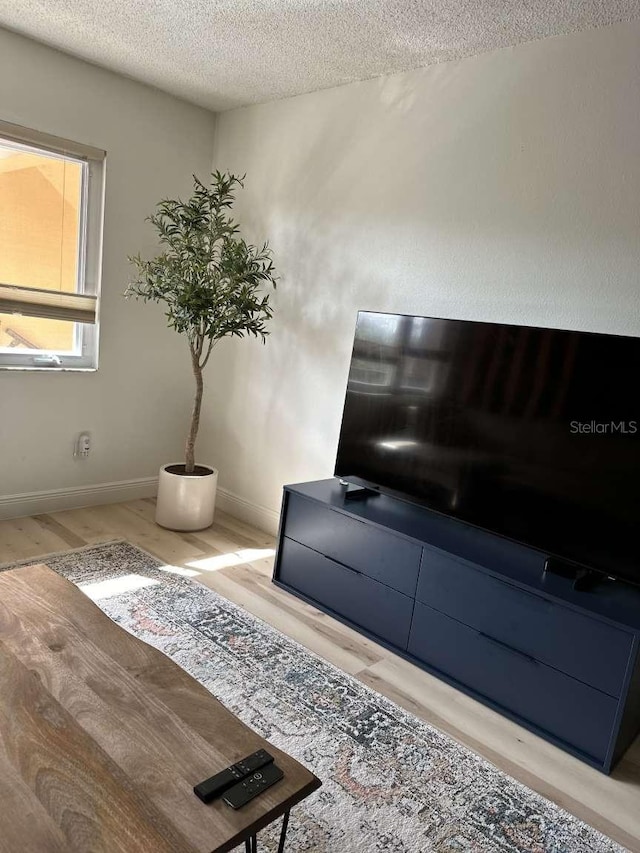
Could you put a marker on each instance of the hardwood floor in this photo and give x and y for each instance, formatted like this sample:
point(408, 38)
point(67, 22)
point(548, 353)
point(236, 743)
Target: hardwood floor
point(236, 560)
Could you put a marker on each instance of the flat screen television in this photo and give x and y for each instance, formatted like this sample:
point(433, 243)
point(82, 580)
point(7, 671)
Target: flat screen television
point(529, 433)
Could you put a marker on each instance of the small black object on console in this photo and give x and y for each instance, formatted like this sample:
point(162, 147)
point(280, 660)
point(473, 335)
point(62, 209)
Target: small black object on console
point(584, 579)
point(353, 492)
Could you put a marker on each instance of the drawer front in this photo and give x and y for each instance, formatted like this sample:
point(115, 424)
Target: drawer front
point(584, 648)
point(368, 604)
point(382, 556)
point(568, 709)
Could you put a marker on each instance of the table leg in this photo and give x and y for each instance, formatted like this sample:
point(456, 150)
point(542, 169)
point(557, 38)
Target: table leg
point(251, 844)
point(283, 833)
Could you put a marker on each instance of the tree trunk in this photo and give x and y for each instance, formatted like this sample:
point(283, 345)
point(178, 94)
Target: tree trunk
point(195, 417)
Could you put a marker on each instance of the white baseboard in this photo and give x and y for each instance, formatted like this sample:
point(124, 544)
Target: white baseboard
point(34, 503)
point(53, 500)
point(253, 514)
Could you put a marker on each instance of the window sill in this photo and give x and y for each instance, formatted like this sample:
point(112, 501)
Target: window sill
point(29, 369)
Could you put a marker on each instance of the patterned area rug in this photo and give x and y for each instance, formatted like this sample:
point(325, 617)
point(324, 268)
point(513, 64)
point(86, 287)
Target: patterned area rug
point(390, 781)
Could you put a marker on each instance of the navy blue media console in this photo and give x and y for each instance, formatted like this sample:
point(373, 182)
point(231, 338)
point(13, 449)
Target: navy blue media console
point(473, 609)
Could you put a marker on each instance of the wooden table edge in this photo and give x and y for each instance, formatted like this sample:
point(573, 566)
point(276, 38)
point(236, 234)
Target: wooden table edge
point(270, 817)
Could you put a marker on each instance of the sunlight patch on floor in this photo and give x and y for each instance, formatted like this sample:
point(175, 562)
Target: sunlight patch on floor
point(233, 558)
point(115, 586)
point(179, 570)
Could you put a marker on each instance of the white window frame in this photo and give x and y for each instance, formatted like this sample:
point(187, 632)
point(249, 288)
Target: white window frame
point(93, 161)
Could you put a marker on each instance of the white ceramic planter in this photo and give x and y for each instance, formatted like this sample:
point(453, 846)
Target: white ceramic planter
point(186, 501)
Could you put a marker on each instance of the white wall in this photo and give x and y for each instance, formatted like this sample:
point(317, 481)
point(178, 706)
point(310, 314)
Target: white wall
point(502, 188)
point(137, 404)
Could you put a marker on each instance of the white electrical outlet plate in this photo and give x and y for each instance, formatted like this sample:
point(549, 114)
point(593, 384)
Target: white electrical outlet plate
point(83, 445)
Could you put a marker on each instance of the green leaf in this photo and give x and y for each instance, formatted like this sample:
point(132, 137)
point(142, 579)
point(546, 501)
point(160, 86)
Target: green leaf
point(209, 279)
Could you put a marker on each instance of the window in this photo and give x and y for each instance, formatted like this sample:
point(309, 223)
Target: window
point(51, 208)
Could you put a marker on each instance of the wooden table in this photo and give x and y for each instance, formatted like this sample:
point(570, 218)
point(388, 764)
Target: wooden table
point(102, 737)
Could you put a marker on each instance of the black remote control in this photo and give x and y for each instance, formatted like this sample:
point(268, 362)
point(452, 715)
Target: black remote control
point(241, 793)
point(221, 782)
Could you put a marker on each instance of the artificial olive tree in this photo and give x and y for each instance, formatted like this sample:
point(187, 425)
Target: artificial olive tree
point(208, 278)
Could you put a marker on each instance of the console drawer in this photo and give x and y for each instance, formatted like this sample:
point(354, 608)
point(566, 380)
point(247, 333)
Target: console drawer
point(382, 556)
point(582, 647)
point(565, 708)
point(367, 603)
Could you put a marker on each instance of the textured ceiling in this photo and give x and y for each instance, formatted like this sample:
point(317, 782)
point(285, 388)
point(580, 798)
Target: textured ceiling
point(226, 53)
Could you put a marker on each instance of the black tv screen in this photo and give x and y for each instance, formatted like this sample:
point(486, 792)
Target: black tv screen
point(530, 433)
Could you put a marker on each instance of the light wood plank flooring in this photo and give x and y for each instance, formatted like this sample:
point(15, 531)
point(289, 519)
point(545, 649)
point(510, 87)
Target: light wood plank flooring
point(236, 560)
